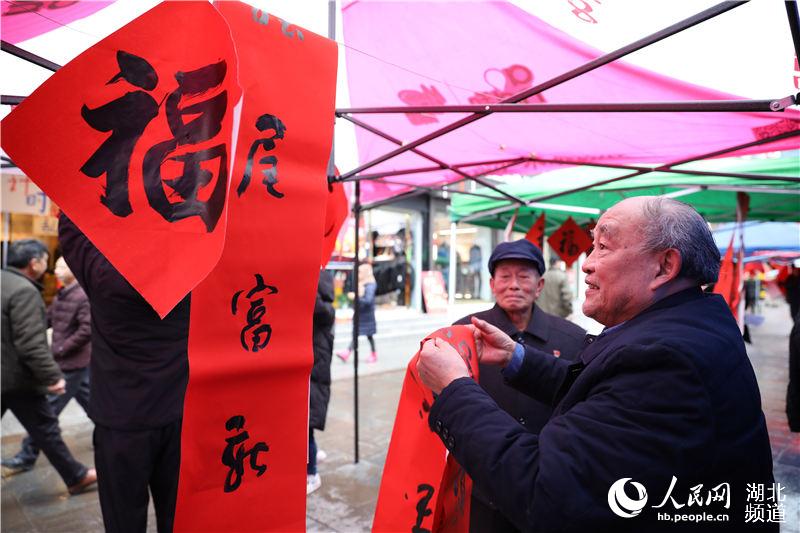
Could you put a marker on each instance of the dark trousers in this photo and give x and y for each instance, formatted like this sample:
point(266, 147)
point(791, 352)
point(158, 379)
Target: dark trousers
point(130, 462)
point(311, 468)
point(371, 343)
point(35, 414)
point(78, 388)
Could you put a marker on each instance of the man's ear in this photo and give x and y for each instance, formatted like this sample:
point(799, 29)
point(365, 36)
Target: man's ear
point(539, 287)
point(669, 266)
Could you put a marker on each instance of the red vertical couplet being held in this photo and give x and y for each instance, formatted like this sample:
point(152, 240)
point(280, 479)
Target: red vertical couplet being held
point(245, 425)
point(132, 139)
point(423, 488)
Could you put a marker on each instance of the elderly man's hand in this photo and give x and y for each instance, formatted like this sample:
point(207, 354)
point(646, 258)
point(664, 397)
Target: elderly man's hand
point(58, 388)
point(439, 364)
point(494, 347)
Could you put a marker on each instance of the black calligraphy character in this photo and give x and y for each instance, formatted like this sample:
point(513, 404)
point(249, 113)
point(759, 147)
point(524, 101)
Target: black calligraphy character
point(422, 508)
point(567, 244)
point(261, 335)
point(264, 123)
point(126, 118)
point(235, 460)
point(206, 122)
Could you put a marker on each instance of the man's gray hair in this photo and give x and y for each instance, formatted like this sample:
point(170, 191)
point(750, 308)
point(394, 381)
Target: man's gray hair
point(673, 224)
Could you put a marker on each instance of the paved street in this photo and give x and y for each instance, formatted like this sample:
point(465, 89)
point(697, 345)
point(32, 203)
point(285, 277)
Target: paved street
point(36, 501)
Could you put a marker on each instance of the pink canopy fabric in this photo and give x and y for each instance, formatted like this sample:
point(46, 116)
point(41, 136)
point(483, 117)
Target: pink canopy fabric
point(25, 20)
point(447, 53)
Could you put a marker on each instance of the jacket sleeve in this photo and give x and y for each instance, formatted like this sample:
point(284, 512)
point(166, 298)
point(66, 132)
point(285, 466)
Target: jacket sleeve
point(369, 294)
point(541, 375)
point(82, 335)
point(29, 335)
point(646, 415)
point(80, 254)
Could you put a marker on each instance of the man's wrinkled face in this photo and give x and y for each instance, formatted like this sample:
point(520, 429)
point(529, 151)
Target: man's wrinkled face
point(618, 271)
point(515, 285)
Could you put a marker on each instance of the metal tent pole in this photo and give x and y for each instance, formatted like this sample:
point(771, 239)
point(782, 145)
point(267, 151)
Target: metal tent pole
point(357, 217)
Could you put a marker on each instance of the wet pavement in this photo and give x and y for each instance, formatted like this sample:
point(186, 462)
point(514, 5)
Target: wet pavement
point(37, 501)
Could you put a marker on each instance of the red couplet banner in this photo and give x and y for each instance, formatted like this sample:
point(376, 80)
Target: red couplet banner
point(245, 438)
point(423, 488)
point(132, 139)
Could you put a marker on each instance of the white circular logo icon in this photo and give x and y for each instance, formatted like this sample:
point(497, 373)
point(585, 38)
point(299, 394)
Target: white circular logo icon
point(621, 504)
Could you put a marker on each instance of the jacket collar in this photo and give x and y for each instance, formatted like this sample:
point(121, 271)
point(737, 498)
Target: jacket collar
point(64, 291)
point(538, 325)
point(20, 273)
point(594, 345)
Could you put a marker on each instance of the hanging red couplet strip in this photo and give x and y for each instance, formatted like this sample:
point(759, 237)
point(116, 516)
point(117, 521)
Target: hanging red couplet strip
point(569, 241)
point(132, 139)
point(422, 488)
point(536, 233)
point(336, 211)
point(245, 425)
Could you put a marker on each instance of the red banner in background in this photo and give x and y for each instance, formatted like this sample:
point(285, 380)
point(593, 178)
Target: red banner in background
point(536, 233)
point(336, 211)
point(422, 488)
point(245, 426)
point(569, 241)
point(132, 139)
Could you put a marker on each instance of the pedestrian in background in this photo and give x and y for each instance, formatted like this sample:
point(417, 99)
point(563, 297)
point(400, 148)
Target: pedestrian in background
point(366, 312)
point(556, 297)
point(320, 391)
point(28, 369)
point(71, 320)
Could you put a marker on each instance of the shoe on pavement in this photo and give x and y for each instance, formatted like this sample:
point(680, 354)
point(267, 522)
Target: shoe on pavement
point(321, 455)
point(313, 482)
point(88, 480)
point(17, 465)
point(373, 357)
point(344, 355)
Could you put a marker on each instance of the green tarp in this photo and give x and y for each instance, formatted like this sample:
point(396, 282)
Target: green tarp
point(769, 199)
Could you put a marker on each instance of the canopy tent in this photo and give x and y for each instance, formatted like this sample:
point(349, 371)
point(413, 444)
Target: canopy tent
point(713, 196)
point(440, 71)
point(768, 237)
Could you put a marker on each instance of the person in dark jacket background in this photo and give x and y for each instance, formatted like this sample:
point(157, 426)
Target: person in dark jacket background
point(516, 270)
point(139, 370)
point(320, 387)
point(793, 388)
point(70, 318)
point(366, 312)
point(29, 372)
point(663, 400)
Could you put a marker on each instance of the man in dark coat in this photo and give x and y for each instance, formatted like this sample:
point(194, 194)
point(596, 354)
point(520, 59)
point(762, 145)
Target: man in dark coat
point(70, 318)
point(320, 387)
point(664, 400)
point(139, 370)
point(516, 282)
point(28, 369)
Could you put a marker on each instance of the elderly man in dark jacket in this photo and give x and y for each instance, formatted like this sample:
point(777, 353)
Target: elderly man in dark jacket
point(517, 270)
point(320, 387)
point(664, 401)
point(70, 318)
point(28, 369)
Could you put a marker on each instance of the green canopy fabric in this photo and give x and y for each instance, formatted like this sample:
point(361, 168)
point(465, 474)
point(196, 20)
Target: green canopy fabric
point(772, 200)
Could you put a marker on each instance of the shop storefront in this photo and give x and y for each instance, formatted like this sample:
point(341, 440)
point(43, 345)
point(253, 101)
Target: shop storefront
point(27, 213)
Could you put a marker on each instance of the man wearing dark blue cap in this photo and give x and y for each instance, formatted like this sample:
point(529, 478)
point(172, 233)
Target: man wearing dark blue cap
point(516, 270)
